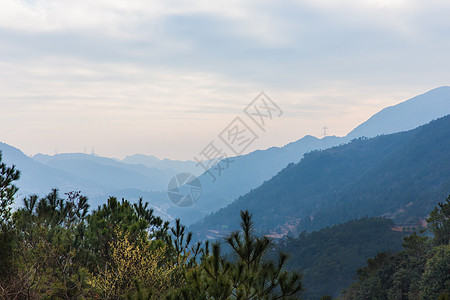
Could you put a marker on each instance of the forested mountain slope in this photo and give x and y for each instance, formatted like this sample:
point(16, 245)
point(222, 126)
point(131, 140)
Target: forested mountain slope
point(329, 258)
point(250, 171)
point(401, 176)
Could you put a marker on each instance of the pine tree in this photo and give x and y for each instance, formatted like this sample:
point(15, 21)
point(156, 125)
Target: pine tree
point(7, 191)
point(246, 276)
point(7, 238)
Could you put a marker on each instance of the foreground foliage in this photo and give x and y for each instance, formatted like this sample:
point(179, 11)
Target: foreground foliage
point(246, 276)
point(54, 248)
point(420, 271)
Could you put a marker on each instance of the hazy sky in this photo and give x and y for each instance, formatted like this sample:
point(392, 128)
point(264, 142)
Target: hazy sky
point(166, 77)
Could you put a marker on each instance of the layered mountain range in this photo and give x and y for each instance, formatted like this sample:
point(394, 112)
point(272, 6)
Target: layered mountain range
point(147, 176)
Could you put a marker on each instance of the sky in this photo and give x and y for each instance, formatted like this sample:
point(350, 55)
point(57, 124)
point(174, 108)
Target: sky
point(165, 77)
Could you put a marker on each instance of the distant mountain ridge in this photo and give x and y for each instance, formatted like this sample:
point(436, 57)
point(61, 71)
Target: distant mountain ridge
point(145, 174)
point(107, 172)
point(44, 172)
point(249, 171)
point(37, 178)
point(401, 176)
point(152, 161)
point(406, 115)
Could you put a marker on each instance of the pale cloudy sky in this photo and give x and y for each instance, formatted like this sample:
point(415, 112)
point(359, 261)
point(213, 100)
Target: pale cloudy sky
point(164, 77)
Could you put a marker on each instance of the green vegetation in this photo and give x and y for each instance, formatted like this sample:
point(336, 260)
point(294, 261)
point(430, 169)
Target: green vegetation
point(246, 276)
point(329, 257)
point(420, 271)
point(53, 248)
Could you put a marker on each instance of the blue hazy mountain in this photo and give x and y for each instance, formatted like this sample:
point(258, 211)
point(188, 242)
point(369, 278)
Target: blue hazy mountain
point(142, 175)
point(245, 173)
point(151, 161)
point(401, 176)
point(406, 115)
point(107, 172)
point(37, 178)
point(250, 171)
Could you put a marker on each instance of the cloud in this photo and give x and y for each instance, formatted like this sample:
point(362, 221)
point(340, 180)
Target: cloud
point(143, 68)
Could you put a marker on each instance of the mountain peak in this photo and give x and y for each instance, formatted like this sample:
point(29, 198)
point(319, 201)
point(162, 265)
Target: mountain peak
point(406, 115)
